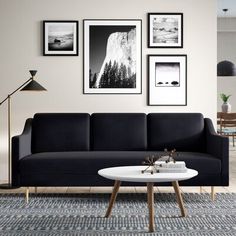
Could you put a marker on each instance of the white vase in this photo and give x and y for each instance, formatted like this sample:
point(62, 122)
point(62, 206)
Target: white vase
point(226, 107)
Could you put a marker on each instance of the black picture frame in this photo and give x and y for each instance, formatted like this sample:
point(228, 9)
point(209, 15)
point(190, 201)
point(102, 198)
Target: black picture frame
point(101, 24)
point(62, 42)
point(168, 92)
point(170, 35)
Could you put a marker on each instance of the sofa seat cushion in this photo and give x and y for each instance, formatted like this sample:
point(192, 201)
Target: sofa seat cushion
point(202, 162)
point(88, 163)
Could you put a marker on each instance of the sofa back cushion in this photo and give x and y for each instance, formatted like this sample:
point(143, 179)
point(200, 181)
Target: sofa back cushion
point(55, 132)
point(118, 131)
point(182, 131)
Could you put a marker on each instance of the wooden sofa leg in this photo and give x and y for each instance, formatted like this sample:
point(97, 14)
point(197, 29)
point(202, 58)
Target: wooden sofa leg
point(27, 195)
point(200, 189)
point(212, 193)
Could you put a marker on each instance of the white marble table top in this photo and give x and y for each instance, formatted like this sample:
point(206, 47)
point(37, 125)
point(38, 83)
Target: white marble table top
point(134, 174)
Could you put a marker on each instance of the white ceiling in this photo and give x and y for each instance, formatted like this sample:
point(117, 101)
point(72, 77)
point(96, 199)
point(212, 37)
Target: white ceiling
point(229, 4)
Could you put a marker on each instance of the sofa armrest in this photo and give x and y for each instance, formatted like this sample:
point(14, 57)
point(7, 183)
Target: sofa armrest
point(218, 146)
point(21, 146)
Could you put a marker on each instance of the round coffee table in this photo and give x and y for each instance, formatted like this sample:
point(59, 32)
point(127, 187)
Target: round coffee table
point(133, 174)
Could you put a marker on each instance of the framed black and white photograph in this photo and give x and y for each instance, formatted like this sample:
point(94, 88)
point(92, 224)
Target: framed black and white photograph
point(167, 80)
point(60, 38)
point(165, 30)
point(112, 56)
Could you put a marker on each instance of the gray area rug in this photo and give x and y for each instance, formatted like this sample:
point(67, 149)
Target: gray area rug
point(83, 214)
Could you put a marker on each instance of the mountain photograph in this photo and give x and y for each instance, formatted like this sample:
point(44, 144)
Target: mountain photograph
point(112, 61)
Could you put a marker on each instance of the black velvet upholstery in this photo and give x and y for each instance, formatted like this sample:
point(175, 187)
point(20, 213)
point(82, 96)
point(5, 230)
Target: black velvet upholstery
point(218, 147)
point(118, 131)
point(65, 150)
point(182, 131)
point(60, 132)
point(21, 147)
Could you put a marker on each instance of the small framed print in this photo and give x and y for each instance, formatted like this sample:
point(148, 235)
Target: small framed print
point(165, 30)
point(112, 56)
point(167, 80)
point(60, 38)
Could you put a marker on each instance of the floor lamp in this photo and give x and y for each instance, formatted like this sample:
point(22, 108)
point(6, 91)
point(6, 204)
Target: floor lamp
point(29, 85)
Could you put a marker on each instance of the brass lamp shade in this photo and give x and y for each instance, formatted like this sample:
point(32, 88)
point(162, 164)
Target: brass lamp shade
point(226, 68)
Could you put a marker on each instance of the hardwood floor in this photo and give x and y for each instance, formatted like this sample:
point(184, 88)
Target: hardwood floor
point(231, 188)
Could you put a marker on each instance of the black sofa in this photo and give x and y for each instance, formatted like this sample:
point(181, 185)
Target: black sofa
point(68, 149)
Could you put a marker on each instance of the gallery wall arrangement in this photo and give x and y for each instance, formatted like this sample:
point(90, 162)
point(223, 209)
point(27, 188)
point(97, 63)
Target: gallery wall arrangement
point(112, 52)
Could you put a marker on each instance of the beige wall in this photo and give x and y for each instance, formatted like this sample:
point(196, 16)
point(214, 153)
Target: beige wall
point(226, 50)
point(20, 50)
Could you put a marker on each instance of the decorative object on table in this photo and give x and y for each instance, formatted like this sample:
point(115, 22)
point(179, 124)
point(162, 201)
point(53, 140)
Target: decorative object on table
point(165, 30)
point(171, 155)
point(226, 107)
point(151, 162)
point(112, 56)
point(226, 67)
point(60, 38)
point(29, 85)
point(170, 167)
point(167, 80)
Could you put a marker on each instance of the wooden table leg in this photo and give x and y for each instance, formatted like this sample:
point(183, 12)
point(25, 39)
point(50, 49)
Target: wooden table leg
point(150, 198)
point(179, 198)
point(113, 197)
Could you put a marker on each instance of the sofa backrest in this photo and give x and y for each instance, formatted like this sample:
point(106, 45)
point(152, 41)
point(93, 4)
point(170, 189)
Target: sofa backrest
point(182, 131)
point(118, 131)
point(52, 132)
point(60, 132)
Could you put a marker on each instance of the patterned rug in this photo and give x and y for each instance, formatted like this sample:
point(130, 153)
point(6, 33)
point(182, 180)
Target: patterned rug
point(82, 214)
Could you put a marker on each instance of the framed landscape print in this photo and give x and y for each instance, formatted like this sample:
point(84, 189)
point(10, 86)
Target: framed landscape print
point(112, 56)
point(60, 38)
point(165, 30)
point(167, 80)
